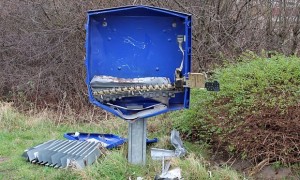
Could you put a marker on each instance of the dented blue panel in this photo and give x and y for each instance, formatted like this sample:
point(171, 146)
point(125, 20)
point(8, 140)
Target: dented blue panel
point(131, 57)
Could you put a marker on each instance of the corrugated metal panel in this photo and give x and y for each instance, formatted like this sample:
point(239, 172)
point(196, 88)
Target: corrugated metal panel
point(64, 153)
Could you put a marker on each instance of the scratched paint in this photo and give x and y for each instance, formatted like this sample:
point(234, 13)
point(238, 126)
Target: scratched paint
point(135, 43)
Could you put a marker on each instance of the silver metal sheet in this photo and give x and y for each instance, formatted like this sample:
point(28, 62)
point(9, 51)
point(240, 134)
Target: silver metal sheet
point(64, 153)
point(99, 82)
point(162, 154)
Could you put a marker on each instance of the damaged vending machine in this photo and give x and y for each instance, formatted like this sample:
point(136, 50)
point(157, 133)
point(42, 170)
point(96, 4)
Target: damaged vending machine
point(138, 62)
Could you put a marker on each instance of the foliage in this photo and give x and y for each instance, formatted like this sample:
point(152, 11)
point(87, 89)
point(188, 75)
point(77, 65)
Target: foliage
point(253, 92)
point(18, 132)
point(42, 42)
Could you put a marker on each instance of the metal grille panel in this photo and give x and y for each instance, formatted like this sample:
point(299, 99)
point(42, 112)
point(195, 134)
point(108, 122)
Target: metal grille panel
point(64, 153)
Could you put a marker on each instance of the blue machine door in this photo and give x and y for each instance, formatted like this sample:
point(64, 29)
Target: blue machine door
point(133, 54)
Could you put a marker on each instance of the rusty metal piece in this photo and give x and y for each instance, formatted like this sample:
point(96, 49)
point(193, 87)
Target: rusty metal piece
point(107, 88)
point(169, 86)
point(196, 80)
point(150, 87)
point(110, 82)
point(137, 87)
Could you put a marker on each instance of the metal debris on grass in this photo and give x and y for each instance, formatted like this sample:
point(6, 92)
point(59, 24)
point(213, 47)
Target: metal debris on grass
point(159, 154)
point(64, 153)
point(165, 155)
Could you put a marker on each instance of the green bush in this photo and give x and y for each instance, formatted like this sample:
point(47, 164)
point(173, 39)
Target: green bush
point(248, 87)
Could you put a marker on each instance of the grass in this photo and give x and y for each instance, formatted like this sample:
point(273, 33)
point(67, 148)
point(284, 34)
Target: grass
point(255, 80)
point(257, 94)
point(253, 84)
point(19, 132)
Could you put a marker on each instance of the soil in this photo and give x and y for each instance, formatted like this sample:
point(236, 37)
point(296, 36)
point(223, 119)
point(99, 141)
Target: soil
point(267, 172)
point(3, 159)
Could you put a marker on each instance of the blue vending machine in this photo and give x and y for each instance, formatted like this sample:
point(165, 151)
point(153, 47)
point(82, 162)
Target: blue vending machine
point(138, 62)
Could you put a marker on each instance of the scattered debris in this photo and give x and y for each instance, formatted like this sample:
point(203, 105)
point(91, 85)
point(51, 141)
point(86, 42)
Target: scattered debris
point(172, 174)
point(209, 174)
point(109, 141)
point(177, 143)
point(159, 154)
point(165, 155)
point(80, 150)
point(64, 153)
point(168, 175)
point(165, 166)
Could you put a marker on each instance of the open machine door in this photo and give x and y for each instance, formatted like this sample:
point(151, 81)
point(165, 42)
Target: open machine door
point(138, 59)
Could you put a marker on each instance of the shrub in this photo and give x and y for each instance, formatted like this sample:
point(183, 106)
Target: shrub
point(255, 115)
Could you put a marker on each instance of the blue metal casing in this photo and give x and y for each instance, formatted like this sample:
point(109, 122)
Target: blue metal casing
point(137, 42)
point(109, 141)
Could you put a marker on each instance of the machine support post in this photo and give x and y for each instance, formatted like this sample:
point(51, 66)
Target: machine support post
point(137, 134)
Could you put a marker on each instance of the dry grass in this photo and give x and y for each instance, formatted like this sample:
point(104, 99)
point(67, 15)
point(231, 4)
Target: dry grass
point(19, 131)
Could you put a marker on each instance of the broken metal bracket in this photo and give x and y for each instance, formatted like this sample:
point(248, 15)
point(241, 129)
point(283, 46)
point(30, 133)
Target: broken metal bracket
point(212, 86)
point(165, 155)
point(195, 80)
point(177, 143)
point(161, 154)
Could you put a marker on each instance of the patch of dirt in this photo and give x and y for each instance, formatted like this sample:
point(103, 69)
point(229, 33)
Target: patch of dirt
point(260, 171)
point(269, 173)
point(241, 165)
point(3, 159)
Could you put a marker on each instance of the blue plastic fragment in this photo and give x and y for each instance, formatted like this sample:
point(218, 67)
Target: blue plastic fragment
point(148, 141)
point(109, 141)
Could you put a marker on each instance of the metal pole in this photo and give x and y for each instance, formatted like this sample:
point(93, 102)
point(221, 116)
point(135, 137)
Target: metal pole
point(137, 134)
